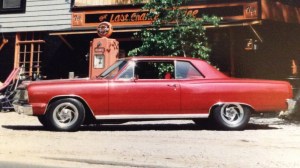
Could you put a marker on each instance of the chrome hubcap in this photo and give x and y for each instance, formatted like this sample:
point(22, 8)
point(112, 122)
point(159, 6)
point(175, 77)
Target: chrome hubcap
point(65, 114)
point(232, 114)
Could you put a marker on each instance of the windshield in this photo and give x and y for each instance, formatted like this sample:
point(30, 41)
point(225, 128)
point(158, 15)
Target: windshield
point(113, 70)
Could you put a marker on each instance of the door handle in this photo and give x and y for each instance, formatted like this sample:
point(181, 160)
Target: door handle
point(172, 85)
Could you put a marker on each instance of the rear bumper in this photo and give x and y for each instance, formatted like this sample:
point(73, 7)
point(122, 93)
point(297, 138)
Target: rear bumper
point(291, 104)
point(23, 108)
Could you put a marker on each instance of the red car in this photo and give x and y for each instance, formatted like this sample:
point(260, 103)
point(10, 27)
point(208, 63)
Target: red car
point(152, 88)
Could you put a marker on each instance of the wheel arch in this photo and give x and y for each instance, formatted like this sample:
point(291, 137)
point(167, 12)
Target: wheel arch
point(88, 111)
point(211, 110)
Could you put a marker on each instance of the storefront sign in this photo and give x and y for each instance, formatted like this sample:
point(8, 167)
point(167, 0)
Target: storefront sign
point(104, 29)
point(251, 11)
point(136, 17)
point(126, 17)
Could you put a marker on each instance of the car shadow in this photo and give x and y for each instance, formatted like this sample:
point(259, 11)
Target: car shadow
point(140, 127)
point(25, 127)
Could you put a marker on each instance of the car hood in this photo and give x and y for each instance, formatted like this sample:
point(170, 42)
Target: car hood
point(61, 82)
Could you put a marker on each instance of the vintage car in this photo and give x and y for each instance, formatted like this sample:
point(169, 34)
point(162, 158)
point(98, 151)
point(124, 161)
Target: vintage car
point(152, 88)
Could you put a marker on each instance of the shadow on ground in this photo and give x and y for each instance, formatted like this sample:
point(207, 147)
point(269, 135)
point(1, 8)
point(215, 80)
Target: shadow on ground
point(141, 127)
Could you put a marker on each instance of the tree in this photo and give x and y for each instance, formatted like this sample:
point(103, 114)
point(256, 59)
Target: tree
point(175, 30)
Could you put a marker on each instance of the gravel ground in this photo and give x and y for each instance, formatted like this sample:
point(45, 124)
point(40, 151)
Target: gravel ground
point(266, 142)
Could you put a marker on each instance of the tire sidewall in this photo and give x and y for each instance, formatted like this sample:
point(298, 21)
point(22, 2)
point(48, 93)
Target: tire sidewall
point(43, 120)
point(220, 123)
point(53, 125)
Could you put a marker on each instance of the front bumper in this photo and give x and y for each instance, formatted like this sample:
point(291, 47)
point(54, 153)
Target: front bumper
point(23, 108)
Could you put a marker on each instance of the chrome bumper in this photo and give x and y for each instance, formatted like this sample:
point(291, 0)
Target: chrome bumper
point(291, 104)
point(23, 108)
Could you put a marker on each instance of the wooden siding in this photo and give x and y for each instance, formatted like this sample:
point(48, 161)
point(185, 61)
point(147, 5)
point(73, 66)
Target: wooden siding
point(40, 15)
point(84, 3)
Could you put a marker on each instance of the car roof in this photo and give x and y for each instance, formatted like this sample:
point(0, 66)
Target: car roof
point(162, 58)
point(206, 69)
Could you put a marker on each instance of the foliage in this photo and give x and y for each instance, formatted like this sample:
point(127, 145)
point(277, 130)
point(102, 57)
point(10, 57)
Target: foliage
point(163, 68)
point(175, 31)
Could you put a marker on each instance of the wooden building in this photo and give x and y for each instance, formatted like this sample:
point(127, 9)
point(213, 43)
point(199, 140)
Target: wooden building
point(26, 24)
point(256, 38)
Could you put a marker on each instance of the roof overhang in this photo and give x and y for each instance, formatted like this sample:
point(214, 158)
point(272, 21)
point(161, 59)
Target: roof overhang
point(120, 29)
point(277, 11)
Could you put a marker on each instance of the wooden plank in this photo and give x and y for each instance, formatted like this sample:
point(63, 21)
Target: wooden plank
point(43, 3)
point(37, 28)
point(35, 18)
point(36, 24)
point(36, 14)
point(61, 1)
point(47, 8)
point(40, 15)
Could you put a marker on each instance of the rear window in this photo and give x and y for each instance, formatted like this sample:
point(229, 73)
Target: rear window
point(185, 70)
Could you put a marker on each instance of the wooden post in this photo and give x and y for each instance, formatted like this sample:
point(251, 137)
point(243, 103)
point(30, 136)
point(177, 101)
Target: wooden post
point(232, 62)
point(17, 51)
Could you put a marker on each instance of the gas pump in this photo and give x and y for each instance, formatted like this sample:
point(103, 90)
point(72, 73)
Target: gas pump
point(103, 51)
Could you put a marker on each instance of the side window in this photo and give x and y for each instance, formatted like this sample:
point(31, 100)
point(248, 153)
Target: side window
point(154, 70)
point(185, 70)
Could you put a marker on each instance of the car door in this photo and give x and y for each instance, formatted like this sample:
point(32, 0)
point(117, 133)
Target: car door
point(196, 94)
point(145, 92)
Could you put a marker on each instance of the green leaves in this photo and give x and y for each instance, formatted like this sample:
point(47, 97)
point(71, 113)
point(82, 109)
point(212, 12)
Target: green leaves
point(175, 31)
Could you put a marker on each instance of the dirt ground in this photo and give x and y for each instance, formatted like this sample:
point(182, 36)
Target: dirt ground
point(268, 142)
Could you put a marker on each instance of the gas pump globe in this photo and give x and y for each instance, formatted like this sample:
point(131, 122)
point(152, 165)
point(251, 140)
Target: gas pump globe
point(103, 51)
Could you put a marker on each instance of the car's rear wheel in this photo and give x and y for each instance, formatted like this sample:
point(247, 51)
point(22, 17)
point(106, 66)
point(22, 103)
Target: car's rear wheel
point(231, 116)
point(66, 115)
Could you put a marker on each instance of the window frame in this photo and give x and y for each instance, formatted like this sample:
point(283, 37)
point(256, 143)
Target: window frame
point(176, 69)
point(22, 8)
point(154, 61)
point(174, 62)
point(129, 65)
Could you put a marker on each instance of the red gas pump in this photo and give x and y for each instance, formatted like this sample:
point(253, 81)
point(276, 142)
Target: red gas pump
point(103, 51)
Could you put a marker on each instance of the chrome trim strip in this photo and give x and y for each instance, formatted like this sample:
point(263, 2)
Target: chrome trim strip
point(151, 116)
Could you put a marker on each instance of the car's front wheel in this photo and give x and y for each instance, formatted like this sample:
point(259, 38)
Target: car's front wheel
point(65, 115)
point(231, 116)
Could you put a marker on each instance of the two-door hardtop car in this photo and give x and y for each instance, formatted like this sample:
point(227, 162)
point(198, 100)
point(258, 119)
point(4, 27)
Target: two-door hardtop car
point(152, 88)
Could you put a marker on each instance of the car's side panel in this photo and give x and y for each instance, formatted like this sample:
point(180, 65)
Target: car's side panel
point(261, 96)
point(144, 97)
point(94, 93)
point(199, 96)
